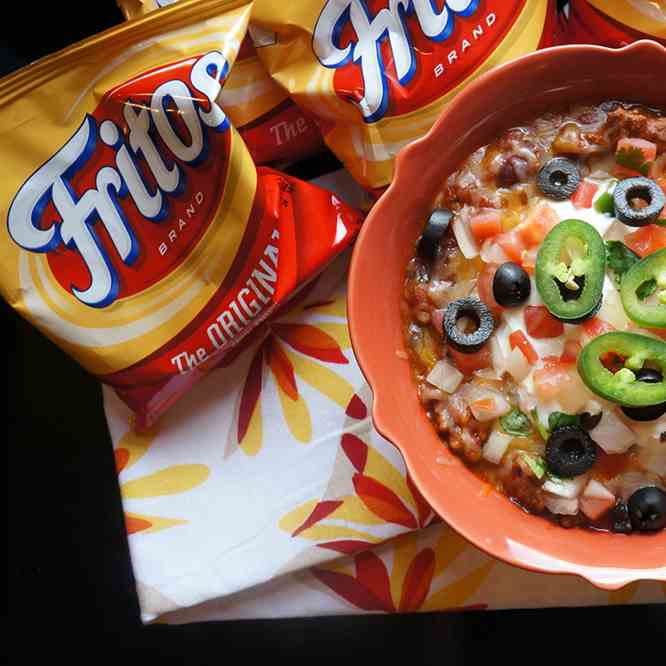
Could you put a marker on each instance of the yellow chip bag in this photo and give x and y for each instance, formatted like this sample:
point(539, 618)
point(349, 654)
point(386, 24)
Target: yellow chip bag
point(615, 23)
point(137, 232)
point(377, 73)
point(274, 128)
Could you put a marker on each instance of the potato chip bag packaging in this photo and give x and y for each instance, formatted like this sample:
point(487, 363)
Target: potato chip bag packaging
point(377, 73)
point(615, 23)
point(275, 130)
point(138, 234)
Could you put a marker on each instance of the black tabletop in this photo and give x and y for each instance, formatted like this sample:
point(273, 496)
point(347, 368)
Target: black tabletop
point(71, 584)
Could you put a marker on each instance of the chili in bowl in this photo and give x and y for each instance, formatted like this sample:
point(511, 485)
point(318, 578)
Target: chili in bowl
point(514, 344)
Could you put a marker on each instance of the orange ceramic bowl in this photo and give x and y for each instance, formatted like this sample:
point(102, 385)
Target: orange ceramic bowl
point(501, 98)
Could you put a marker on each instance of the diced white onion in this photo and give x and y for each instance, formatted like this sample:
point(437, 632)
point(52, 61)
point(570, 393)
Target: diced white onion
point(487, 373)
point(594, 508)
point(499, 408)
point(535, 296)
point(526, 401)
point(474, 395)
point(492, 252)
point(466, 241)
point(617, 231)
point(596, 490)
point(568, 488)
point(562, 506)
point(612, 310)
point(517, 365)
point(496, 446)
point(445, 377)
point(612, 435)
point(576, 396)
point(497, 355)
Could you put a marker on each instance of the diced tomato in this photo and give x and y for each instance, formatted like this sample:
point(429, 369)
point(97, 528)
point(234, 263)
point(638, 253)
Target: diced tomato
point(570, 353)
point(646, 240)
point(622, 172)
point(512, 244)
point(485, 287)
point(529, 259)
point(583, 196)
point(612, 362)
point(469, 363)
point(661, 332)
point(537, 224)
point(552, 379)
point(541, 324)
point(518, 339)
point(648, 148)
point(609, 465)
point(486, 224)
point(595, 327)
point(484, 409)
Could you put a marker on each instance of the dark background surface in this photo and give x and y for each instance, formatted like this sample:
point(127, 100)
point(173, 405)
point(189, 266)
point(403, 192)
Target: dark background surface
point(71, 586)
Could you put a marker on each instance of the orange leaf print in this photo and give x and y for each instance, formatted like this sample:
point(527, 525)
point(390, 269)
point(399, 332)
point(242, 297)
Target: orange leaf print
point(422, 506)
point(346, 546)
point(122, 456)
point(417, 581)
point(134, 525)
point(356, 450)
point(282, 369)
point(310, 341)
point(382, 501)
point(372, 574)
point(250, 394)
point(320, 512)
point(356, 408)
point(349, 589)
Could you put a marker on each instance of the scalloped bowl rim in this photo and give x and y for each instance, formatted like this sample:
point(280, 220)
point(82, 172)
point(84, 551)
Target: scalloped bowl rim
point(513, 552)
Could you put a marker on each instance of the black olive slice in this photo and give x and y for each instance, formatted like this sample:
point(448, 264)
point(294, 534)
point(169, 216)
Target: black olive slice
point(511, 285)
point(620, 521)
point(558, 178)
point(570, 452)
point(480, 315)
point(433, 232)
point(647, 509)
point(590, 421)
point(649, 412)
point(641, 188)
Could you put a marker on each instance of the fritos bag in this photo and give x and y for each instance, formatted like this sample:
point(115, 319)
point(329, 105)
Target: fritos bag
point(139, 235)
point(615, 23)
point(274, 128)
point(377, 73)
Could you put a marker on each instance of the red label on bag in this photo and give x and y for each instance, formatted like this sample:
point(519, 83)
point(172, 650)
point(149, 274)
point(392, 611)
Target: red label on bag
point(125, 200)
point(391, 60)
